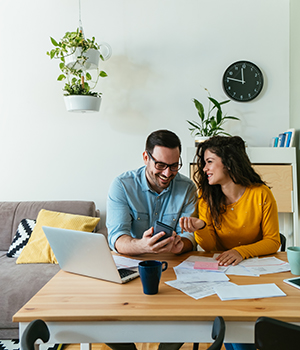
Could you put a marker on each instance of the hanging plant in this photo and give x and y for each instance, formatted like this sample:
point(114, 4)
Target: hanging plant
point(78, 81)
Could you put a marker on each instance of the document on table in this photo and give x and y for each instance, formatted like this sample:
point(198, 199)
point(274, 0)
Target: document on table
point(196, 290)
point(199, 283)
point(258, 266)
point(187, 275)
point(127, 263)
point(252, 291)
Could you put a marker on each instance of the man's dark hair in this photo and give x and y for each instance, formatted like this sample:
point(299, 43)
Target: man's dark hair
point(164, 138)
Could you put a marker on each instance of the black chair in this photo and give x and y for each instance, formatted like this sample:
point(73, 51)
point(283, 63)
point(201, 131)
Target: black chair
point(36, 329)
point(271, 334)
point(217, 333)
point(283, 242)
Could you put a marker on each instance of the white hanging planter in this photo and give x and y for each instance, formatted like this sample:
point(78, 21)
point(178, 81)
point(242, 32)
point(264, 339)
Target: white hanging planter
point(92, 55)
point(91, 63)
point(82, 103)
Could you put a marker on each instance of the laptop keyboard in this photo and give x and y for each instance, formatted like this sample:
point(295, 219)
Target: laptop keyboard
point(125, 272)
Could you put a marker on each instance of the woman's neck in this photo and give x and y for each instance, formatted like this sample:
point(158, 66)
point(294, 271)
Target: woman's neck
point(233, 192)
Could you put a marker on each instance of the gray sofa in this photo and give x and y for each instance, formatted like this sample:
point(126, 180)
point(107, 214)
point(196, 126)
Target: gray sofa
point(19, 283)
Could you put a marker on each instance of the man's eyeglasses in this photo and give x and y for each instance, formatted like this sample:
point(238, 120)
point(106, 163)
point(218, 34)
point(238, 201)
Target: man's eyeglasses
point(162, 166)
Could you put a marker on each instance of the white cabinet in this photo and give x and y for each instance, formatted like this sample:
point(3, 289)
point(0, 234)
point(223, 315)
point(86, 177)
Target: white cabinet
point(277, 167)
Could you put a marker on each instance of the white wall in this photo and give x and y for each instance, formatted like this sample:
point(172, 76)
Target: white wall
point(164, 54)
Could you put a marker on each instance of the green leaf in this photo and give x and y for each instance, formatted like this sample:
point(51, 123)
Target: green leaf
point(88, 76)
point(231, 117)
point(200, 108)
point(61, 77)
point(219, 116)
point(102, 74)
point(53, 41)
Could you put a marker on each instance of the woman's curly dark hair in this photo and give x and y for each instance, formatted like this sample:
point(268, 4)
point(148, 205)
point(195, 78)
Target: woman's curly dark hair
point(232, 151)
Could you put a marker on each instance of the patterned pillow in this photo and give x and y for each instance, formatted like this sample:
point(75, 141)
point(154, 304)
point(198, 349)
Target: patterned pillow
point(21, 238)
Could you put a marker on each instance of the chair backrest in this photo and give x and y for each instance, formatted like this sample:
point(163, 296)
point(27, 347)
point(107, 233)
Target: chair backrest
point(218, 333)
point(36, 329)
point(283, 242)
point(271, 334)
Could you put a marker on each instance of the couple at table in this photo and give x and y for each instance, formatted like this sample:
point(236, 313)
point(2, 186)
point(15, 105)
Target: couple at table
point(234, 211)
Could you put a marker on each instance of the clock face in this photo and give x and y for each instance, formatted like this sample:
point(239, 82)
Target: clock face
point(243, 81)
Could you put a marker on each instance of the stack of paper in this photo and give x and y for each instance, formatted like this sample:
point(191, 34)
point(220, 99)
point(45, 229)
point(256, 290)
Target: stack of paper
point(199, 277)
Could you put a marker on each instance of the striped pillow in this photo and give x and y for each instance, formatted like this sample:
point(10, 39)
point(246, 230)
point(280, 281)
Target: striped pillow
point(21, 238)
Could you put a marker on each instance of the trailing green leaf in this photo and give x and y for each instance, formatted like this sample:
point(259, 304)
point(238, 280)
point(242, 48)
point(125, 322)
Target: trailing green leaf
point(66, 47)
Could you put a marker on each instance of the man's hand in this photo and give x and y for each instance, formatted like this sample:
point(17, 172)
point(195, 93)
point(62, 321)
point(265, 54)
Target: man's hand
point(191, 224)
point(230, 257)
point(147, 244)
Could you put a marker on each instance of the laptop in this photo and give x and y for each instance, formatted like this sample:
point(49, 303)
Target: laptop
point(87, 254)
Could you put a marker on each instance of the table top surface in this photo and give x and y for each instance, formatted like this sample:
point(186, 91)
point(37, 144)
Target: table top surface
point(69, 297)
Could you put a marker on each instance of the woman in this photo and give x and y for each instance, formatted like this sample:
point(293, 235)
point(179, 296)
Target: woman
point(237, 212)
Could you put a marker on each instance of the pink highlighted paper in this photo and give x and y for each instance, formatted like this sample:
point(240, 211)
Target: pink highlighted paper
point(205, 265)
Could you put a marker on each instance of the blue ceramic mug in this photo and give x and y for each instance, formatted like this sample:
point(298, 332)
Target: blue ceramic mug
point(150, 273)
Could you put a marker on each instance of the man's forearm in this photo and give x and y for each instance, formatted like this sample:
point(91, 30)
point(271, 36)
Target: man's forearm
point(128, 245)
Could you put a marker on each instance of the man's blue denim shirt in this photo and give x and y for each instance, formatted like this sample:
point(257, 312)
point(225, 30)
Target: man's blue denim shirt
point(133, 207)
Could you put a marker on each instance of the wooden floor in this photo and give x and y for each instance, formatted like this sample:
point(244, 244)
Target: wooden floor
point(140, 346)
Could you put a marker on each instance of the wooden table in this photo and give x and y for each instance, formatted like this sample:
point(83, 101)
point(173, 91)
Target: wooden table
point(79, 309)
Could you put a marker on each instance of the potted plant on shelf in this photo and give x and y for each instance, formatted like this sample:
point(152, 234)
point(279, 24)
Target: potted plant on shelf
point(77, 55)
point(210, 124)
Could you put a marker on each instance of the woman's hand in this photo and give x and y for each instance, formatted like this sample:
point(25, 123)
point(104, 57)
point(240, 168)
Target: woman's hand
point(191, 224)
point(230, 257)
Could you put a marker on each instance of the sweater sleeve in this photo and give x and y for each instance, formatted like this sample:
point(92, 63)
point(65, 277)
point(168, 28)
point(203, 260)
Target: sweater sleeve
point(270, 242)
point(206, 237)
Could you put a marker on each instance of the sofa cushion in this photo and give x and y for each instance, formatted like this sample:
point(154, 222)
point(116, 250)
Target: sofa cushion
point(38, 249)
point(21, 238)
point(11, 214)
point(19, 283)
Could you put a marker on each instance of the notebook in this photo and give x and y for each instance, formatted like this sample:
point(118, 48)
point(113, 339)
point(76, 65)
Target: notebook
point(87, 254)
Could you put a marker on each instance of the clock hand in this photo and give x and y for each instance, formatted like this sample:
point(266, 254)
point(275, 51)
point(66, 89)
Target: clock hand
point(240, 81)
point(242, 71)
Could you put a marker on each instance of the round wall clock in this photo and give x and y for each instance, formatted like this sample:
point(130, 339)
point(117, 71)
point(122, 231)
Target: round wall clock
point(243, 81)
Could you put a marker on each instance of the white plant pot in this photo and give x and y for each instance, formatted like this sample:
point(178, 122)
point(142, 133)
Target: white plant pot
point(199, 139)
point(91, 63)
point(80, 103)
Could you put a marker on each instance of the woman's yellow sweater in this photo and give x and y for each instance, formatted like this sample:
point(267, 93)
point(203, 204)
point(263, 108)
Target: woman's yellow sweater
point(249, 225)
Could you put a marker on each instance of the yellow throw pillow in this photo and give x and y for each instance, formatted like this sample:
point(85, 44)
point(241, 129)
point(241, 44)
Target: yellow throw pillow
point(38, 250)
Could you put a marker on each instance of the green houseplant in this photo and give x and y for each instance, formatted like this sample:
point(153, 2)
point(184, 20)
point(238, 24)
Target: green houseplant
point(210, 124)
point(77, 55)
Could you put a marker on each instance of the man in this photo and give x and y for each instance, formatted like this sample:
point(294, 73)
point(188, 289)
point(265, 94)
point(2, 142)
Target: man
point(138, 198)
point(156, 191)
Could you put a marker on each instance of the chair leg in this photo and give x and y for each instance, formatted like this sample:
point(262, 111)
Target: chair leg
point(195, 346)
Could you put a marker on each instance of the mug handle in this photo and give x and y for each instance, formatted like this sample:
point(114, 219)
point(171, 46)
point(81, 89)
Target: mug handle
point(105, 51)
point(164, 265)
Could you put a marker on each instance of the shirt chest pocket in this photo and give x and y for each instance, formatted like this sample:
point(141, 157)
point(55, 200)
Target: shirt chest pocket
point(170, 219)
point(140, 223)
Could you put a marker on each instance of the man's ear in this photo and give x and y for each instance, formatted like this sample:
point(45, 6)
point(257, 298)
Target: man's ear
point(145, 157)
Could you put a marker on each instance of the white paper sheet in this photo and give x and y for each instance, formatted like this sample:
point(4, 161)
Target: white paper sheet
point(196, 290)
point(127, 263)
point(188, 275)
point(253, 291)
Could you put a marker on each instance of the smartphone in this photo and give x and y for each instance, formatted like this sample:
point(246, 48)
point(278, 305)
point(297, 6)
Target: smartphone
point(160, 226)
point(295, 282)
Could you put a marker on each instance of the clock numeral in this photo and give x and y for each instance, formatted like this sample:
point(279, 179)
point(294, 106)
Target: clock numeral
point(244, 66)
point(249, 95)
